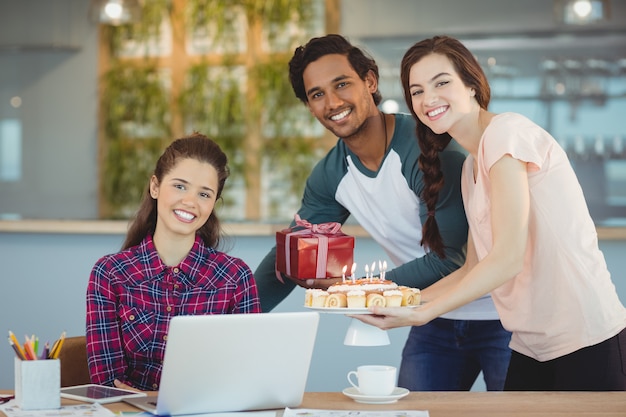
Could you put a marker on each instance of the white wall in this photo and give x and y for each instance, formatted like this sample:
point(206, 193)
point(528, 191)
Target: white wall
point(48, 57)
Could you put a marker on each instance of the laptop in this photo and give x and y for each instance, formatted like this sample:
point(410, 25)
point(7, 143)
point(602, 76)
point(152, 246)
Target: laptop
point(234, 362)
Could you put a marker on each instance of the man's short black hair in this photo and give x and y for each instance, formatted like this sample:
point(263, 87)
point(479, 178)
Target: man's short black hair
point(325, 45)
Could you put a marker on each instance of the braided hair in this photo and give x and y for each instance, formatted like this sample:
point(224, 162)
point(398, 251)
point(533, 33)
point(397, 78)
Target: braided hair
point(430, 143)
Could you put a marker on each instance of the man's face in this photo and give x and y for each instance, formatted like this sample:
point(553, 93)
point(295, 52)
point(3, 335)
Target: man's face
point(337, 96)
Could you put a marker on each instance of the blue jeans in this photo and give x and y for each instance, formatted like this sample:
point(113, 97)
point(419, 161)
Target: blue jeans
point(448, 355)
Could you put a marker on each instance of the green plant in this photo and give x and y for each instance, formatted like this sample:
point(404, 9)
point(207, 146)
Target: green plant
point(206, 100)
point(128, 165)
point(153, 12)
point(242, 101)
point(282, 114)
point(135, 105)
point(219, 17)
point(212, 102)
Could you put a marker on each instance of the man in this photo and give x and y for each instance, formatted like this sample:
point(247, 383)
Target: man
point(372, 173)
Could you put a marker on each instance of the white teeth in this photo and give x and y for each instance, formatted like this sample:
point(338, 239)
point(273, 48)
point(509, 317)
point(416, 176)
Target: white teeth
point(340, 115)
point(437, 111)
point(184, 215)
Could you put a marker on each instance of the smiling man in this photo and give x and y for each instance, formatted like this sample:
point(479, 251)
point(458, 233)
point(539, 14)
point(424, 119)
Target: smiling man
point(373, 175)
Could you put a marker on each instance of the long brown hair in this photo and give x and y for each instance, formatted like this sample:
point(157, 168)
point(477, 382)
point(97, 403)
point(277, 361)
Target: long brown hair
point(472, 75)
point(200, 148)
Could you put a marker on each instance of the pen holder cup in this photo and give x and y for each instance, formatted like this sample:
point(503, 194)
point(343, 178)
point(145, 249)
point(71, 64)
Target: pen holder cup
point(38, 384)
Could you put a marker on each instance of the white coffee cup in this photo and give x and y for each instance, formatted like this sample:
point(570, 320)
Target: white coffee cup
point(377, 380)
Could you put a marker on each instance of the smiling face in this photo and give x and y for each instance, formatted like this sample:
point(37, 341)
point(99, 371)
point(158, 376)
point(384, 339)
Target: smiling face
point(337, 96)
point(185, 198)
point(438, 96)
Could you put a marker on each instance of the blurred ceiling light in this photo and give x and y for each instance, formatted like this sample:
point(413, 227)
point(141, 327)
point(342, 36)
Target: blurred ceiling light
point(572, 65)
point(16, 101)
point(390, 106)
point(581, 12)
point(549, 65)
point(559, 88)
point(115, 12)
point(582, 8)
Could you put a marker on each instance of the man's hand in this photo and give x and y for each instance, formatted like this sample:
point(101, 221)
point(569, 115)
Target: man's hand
point(320, 283)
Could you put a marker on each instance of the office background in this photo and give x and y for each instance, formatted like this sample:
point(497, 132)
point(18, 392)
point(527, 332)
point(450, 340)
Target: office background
point(49, 63)
point(49, 58)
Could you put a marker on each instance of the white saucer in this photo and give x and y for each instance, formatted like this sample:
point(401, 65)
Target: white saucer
point(375, 399)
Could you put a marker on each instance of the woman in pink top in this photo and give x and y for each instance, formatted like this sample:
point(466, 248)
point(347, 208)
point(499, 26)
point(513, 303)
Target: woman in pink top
point(532, 243)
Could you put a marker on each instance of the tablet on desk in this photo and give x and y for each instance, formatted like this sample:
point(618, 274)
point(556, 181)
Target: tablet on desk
point(102, 394)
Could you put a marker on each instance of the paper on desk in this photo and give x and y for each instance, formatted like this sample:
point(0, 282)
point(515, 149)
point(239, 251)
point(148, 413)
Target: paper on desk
point(11, 409)
point(308, 412)
point(266, 413)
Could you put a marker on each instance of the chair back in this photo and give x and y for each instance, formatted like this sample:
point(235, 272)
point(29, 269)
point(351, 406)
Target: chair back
point(73, 357)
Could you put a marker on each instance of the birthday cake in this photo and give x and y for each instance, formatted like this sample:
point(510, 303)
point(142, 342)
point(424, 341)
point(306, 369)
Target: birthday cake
point(363, 293)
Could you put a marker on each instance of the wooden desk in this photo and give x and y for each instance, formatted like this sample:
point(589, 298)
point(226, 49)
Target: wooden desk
point(472, 404)
point(487, 404)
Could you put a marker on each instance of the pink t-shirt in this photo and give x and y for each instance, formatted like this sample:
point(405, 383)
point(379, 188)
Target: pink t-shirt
point(564, 299)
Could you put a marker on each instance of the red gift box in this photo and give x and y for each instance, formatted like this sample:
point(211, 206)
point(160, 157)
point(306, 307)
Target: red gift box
point(313, 250)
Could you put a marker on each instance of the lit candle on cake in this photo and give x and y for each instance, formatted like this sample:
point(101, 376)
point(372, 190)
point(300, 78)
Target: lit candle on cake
point(384, 271)
point(352, 272)
point(372, 271)
point(343, 273)
point(367, 271)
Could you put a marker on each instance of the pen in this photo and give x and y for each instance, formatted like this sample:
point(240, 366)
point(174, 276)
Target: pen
point(46, 351)
point(16, 345)
point(28, 348)
point(17, 350)
point(53, 348)
point(6, 399)
point(54, 352)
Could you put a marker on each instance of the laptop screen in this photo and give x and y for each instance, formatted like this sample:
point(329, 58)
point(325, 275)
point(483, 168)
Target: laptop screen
point(236, 362)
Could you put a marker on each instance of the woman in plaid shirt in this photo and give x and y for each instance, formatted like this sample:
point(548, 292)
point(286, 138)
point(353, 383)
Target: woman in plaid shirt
point(168, 266)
